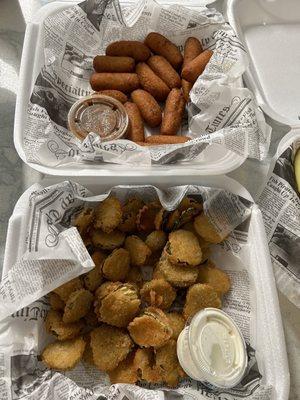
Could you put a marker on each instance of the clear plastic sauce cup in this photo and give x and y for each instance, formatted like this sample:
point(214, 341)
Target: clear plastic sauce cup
point(100, 114)
point(212, 349)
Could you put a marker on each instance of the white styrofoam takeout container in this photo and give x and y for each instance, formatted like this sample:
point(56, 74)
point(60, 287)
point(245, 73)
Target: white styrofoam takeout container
point(267, 326)
point(214, 160)
point(270, 31)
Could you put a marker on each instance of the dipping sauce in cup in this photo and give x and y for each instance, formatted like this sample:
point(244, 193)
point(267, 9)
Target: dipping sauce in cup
point(100, 114)
point(212, 349)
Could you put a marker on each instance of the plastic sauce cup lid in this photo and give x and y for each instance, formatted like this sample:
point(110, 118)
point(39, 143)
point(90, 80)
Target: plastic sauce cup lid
point(99, 114)
point(212, 349)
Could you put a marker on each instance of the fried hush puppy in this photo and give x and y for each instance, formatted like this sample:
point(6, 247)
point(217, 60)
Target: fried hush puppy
point(167, 362)
point(183, 248)
point(83, 220)
point(165, 71)
point(115, 94)
point(200, 296)
point(108, 214)
point(77, 305)
point(64, 355)
point(156, 240)
point(206, 230)
point(126, 371)
point(138, 250)
point(162, 46)
point(177, 323)
point(113, 64)
point(173, 113)
point(119, 305)
point(192, 49)
point(107, 241)
point(148, 106)
point(56, 303)
point(129, 48)
point(94, 278)
point(158, 293)
point(122, 81)
point(116, 265)
point(195, 68)
point(163, 140)
point(135, 131)
point(176, 275)
point(67, 288)
point(110, 346)
point(186, 87)
point(55, 326)
point(214, 277)
point(151, 83)
point(151, 329)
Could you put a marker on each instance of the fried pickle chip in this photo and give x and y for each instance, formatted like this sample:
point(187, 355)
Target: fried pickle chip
point(105, 289)
point(189, 202)
point(116, 266)
point(206, 230)
point(166, 360)
point(63, 355)
point(84, 220)
point(214, 277)
point(146, 216)
point(156, 240)
point(158, 293)
point(67, 288)
point(55, 326)
point(200, 296)
point(94, 278)
point(177, 323)
point(108, 241)
point(108, 214)
point(125, 372)
point(183, 248)
point(110, 346)
point(135, 276)
point(138, 250)
point(151, 329)
point(130, 211)
point(144, 363)
point(119, 306)
point(176, 275)
point(77, 305)
point(88, 243)
point(88, 352)
point(56, 303)
point(91, 319)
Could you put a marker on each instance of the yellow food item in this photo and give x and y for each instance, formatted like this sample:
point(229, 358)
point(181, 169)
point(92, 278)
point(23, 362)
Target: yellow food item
point(110, 346)
point(77, 305)
point(158, 293)
point(116, 265)
point(151, 329)
point(183, 248)
point(62, 331)
point(200, 296)
point(108, 214)
point(64, 355)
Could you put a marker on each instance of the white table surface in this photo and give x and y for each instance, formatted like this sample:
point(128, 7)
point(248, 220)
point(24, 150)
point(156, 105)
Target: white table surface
point(15, 177)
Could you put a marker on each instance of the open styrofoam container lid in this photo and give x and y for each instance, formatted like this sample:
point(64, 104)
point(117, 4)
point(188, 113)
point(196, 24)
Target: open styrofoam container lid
point(270, 30)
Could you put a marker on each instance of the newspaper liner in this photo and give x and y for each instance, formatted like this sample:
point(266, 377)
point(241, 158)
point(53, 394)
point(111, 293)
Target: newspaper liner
point(221, 112)
point(22, 335)
point(280, 206)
